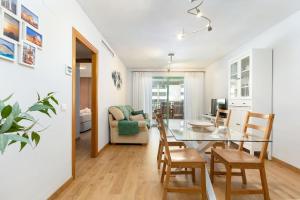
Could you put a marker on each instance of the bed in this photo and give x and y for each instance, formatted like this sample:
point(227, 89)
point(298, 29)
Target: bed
point(85, 120)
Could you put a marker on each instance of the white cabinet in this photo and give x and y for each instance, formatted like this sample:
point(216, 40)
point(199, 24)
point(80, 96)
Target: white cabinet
point(250, 87)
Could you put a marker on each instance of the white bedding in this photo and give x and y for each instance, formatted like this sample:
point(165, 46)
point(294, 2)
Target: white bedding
point(85, 119)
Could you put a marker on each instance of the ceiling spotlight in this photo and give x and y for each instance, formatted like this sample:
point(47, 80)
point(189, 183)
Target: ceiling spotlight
point(199, 13)
point(209, 28)
point(181, 35)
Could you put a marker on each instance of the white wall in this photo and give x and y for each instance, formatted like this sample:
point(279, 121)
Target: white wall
point(285, 41)
point(37, 173)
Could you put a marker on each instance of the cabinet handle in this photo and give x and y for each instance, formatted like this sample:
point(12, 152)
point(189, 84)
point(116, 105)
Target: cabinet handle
point(238, 124)
point(244, 103)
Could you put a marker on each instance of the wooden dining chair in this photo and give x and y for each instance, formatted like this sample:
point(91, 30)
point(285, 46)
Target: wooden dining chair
point(222, 118)
point(238, 159)
point(187, 158)
point(171, 142)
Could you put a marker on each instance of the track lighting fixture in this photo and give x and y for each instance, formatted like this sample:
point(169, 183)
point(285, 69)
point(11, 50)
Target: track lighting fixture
point(196, 12)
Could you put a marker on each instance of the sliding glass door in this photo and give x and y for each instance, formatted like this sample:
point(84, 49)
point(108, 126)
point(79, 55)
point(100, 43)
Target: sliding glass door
point(168, 95)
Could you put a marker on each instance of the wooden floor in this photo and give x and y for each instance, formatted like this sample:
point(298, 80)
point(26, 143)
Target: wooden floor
point(129, 172)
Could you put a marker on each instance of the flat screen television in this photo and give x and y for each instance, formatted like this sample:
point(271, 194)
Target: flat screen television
point(218, 104)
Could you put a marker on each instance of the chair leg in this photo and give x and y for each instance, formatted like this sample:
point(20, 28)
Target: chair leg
point(166, 184)
point(159, 147)
point(212, 167)
point(160, 156)
point(244, 178)
point(193, 175)
point(163, 172)
point(264, 183)
point(203, 183)
point(228, 182)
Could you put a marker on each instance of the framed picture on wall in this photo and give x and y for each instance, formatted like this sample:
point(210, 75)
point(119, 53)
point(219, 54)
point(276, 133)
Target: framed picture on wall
point(7, 50)
point(27, 55)
point(29, 17)
point(33, 37)
point(10, 27)
point(10, 5)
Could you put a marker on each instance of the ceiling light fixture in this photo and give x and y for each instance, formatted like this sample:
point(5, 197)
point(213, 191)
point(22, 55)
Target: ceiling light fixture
point(171, 55)
point(196, 11)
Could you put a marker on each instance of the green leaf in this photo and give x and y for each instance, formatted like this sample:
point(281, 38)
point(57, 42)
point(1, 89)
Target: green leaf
point(6, 99)
point(15, 128)
point(16, 109)
point(54, 100)
point(7, 124)
point(3, 142)
point(18, 138)
point(23, 144)
point(38, 107)
point(50, 106)
point(6, 111)
point(35, 137)
point(26, 116)
point(45, 112)
point(50, 93)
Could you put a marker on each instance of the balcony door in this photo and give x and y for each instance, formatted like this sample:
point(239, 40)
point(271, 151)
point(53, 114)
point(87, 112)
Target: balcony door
point(168, 95)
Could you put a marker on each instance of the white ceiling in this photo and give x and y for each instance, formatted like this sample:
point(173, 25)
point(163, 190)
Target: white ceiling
point(143, 32)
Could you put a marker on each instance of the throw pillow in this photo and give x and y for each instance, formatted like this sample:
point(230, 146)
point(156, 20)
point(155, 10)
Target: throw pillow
point(138, 112)
point(125, 111)
point(117, 113)
point(139, 117)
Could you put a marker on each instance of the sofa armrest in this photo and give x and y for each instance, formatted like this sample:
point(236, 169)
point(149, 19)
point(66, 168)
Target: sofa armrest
point(146, 115)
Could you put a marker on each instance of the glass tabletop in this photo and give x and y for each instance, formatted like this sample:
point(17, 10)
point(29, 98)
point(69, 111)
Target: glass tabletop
point(183, 131)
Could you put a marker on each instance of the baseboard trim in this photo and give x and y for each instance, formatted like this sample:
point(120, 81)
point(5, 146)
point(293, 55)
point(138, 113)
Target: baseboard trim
point(287, 165)
point(70, 180)
point(101, 150)
point(60, 189)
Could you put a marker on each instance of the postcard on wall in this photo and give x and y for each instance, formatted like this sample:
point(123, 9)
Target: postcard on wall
point(7, 50)
point(10, 5)
point(10, 27)
point(29, 17)
point(27, 55)
point(33, 36)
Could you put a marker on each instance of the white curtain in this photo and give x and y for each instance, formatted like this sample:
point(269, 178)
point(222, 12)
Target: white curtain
point(193, 95)
point(142, 92)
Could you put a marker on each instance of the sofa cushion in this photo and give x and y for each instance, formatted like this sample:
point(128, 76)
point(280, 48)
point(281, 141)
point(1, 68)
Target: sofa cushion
point(117, 113)
point(139, 117)
point(137, 112)
point(126, 111)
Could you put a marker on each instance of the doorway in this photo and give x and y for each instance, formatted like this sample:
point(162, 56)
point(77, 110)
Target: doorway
point(168, 95)
point(84, 52)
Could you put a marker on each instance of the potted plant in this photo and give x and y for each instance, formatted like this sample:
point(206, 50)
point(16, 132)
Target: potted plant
point(17, 126)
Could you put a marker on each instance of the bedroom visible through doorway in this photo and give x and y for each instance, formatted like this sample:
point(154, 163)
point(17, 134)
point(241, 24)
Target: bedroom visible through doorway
point(85, 101)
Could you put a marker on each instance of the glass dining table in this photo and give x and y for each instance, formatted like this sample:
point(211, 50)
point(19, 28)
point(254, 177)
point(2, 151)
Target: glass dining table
point(202, 138)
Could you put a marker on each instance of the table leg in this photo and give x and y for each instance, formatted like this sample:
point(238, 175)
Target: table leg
point(201, 147)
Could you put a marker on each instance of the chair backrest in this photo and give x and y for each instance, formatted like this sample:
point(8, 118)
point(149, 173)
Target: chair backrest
point(265, 129)
point(219, 117)
point(163, 135)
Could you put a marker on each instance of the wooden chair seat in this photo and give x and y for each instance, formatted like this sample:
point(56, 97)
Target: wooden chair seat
point(238, 159)
point(234, 156)
point(173, 142)
point(186, 156)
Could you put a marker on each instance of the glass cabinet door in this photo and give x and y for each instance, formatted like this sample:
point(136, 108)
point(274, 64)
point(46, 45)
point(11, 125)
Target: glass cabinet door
point(234, 80)
point(245, 77)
